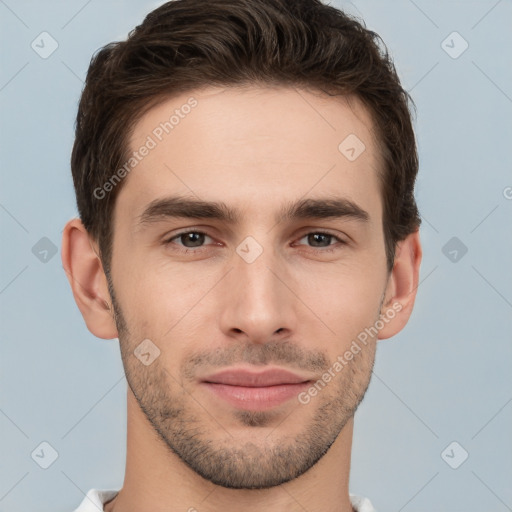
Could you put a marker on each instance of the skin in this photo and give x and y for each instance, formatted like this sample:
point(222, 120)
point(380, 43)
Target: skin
point(296, 306)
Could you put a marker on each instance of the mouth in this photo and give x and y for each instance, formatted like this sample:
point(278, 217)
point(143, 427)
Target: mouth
point(255, 391)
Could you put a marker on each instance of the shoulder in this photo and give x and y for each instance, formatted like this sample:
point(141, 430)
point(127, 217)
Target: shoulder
point(95, 499)
point(361, 504)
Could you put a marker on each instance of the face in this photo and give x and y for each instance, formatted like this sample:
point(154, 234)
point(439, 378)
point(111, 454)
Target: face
point(248, 255)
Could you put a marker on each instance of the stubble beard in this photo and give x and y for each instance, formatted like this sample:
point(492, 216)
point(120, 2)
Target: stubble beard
point(190, 430)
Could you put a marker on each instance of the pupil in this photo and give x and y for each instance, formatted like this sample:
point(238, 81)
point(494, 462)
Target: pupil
point(315, 238)
point(195, 238)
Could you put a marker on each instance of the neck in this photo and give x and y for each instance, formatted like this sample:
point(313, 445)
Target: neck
point(157, 480)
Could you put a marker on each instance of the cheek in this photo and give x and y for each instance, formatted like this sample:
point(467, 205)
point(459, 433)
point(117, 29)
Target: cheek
point(164, 304)
point(347, 302)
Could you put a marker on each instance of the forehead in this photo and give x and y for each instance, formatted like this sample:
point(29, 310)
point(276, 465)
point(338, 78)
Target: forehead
point(253, 145)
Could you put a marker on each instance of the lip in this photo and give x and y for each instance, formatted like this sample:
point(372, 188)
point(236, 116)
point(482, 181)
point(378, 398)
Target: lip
point(246, 378)
point(255, 391)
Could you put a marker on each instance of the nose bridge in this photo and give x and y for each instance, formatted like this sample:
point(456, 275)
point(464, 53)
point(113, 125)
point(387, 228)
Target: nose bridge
point(257, 302)
point(255, 275)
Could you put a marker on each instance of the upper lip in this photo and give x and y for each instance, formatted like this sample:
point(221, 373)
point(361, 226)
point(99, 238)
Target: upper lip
point(269, 377)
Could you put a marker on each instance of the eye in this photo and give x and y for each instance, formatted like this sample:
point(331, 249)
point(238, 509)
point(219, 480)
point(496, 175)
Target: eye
point(188, 239)
point(319, 239)
point(194, 241)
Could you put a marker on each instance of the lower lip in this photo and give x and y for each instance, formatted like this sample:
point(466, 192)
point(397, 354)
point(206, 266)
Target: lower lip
point(256, 399)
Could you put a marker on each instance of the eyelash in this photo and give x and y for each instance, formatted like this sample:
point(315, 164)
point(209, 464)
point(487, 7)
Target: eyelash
point(187, 250)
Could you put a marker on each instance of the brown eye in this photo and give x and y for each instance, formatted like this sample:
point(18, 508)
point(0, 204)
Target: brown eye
point(192, 239)
point(188, 239)
point(321, 240)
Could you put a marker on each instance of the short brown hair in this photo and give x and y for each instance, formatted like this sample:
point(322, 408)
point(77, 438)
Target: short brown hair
point(188, 44)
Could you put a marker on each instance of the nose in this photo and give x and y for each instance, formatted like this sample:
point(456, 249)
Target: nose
point(258, 304)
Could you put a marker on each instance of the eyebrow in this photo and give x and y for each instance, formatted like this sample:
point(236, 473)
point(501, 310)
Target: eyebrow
point(317, 208)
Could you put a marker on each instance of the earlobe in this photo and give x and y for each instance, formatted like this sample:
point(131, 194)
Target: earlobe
point(87, 279)
point(402, 286)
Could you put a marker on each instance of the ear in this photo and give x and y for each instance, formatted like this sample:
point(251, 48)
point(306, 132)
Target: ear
point(87, 279)
point(402, 286)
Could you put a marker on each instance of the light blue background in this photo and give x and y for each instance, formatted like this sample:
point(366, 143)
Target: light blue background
point(446, 377)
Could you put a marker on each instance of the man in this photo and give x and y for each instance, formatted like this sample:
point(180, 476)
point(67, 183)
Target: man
point(244, 172)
